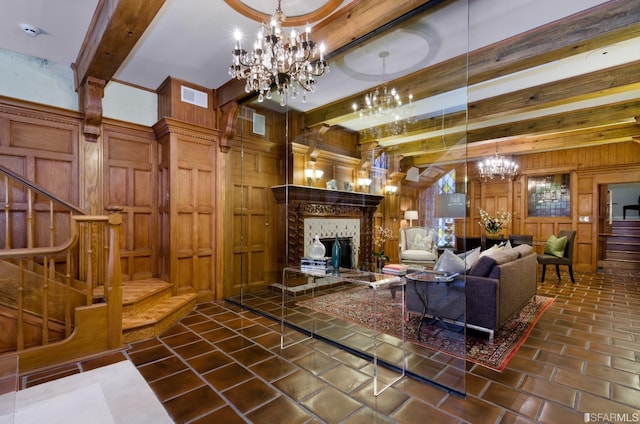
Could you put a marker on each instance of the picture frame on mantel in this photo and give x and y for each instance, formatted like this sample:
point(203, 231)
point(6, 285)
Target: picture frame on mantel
point(549, 195)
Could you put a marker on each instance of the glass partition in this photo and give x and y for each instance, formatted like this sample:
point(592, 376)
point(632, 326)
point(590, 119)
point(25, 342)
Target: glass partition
point(319, 202)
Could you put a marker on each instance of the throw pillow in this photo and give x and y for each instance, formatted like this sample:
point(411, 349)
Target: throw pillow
point(490, 251)
point(555, 246)
point(419, 242)
point(472, 257)
point(449, 262)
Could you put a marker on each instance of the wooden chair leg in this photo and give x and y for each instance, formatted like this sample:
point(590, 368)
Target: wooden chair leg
point(544, 270)
point(571, 274)
point(558, 272)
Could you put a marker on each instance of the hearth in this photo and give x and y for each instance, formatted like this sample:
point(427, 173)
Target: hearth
point(310, 211)
point(345, 250)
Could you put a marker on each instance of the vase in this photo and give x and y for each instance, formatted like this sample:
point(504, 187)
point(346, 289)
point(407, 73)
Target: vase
point(335, 255)
point(317, 250)
point(380, 263)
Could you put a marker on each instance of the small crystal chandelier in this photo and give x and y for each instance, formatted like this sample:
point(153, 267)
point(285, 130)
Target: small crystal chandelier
point(497, 166)
point(386, 104)
point(276, 58)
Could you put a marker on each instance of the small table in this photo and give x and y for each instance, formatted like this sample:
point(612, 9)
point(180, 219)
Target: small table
point(436, 294)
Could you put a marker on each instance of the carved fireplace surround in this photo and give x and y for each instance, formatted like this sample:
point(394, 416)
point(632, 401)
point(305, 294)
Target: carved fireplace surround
point(316, 203)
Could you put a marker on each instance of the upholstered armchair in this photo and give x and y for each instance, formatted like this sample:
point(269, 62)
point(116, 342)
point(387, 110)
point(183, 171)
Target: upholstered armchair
point(418, 246)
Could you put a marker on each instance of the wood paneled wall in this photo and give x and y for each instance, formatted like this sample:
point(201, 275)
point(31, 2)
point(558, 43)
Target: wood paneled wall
point(253, 243)
point(170, 103)
point(41, 145)
point(589, 167)
point(130, 180)
point(187, 207)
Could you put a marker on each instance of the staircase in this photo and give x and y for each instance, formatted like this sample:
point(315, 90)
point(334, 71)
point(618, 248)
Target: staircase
point(149, 308)
point(622, 245)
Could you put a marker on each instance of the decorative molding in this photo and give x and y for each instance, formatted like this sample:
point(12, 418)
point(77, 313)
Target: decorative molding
point(39, 112)
point(92, 92)
point(315, 15)
point(331, 206)
point(177, 127)
point(227, 122)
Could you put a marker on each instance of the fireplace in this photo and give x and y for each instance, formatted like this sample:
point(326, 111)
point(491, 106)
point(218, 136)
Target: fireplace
point(310, 211)
point(346, 258)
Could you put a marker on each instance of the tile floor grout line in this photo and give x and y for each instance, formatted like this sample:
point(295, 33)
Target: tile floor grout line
point(281, 393)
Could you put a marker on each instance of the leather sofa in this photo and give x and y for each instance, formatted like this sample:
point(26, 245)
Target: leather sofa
point(492, 291)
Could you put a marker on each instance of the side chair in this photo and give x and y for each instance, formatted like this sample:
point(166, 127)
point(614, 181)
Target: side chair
point(566, 259)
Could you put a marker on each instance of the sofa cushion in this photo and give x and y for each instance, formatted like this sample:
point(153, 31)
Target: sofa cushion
point(485, 265)
point(502, 257)
point(450, 262)
point(490, 251)
point(555, 246)
point(418, 255)
point(470, 257)
point(523, 250)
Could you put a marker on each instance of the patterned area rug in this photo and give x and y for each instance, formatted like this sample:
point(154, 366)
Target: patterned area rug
point(356, 305)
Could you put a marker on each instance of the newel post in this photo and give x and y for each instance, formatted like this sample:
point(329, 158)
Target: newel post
point(113, 284)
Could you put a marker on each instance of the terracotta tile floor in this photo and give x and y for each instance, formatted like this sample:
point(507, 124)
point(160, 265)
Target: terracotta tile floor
point(223, 364)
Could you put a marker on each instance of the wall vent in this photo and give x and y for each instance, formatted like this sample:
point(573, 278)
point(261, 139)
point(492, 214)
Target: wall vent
point(194, 97)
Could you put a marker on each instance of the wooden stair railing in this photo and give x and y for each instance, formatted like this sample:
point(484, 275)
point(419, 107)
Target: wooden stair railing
point(80, 259)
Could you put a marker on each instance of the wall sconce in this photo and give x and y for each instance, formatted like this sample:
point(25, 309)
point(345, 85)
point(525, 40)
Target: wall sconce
point(390, 189)
point(410, 216)
point(364, 183)
point(313, 175)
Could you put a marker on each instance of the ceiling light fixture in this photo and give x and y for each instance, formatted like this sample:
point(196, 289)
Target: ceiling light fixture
point(497, 166)
point(276, 58)
point(385, 103)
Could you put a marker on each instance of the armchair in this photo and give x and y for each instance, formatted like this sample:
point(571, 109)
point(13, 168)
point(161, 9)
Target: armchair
point(417, 246)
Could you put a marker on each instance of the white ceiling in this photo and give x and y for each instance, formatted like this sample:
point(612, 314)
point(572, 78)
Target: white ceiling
point(192, 39)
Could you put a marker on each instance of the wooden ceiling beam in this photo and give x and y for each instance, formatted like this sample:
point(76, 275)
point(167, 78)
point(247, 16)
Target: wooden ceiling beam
point(116, 27)
point(600, 26)
point(530, 144)
point(601, 83)
point(576, 119)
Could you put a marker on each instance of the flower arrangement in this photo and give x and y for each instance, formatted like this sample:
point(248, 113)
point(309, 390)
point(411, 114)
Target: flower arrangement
point(382, 235)
point(493, 224)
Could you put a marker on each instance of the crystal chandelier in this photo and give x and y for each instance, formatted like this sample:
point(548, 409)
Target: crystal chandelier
point(385, 104)
point(497, 166)
point(278, 59)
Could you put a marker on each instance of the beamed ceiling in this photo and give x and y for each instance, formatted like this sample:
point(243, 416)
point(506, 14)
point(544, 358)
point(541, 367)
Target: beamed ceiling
point(533, 91)
point(594, 108)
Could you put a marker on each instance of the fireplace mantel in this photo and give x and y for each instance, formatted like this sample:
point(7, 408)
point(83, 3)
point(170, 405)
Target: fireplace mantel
point(322, 195)
point(310, 202)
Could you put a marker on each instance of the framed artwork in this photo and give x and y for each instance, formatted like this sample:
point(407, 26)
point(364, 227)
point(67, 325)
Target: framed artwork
point(548, 195)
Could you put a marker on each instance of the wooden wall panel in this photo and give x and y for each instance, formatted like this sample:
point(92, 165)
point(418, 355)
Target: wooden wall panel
point(40, 145)
point(170, 104)
point(189, 163)
point(36, 136)
point(254, 250)
point(130, 173)
point(184, 238)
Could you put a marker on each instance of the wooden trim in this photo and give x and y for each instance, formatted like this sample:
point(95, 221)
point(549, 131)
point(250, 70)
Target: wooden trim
point(320, 13)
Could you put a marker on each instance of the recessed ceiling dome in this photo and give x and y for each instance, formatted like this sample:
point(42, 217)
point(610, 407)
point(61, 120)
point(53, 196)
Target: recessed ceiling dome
point(297, 12)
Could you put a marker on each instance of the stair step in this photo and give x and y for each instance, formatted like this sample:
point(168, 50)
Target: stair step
point(153, 320)
point(618, 264)
point(138, 295)
point(624, 255)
